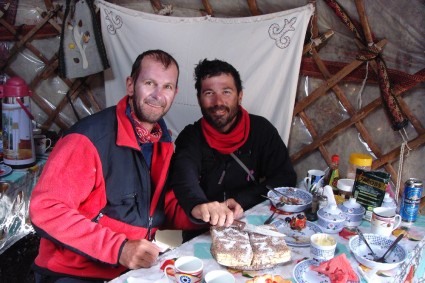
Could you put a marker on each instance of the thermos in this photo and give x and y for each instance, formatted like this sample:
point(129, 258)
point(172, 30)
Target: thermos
point(18, 143)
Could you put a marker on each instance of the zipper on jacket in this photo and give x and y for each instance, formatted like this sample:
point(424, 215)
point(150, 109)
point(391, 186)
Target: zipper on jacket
point(96, 219)
point(150, 228)
point(220, 181)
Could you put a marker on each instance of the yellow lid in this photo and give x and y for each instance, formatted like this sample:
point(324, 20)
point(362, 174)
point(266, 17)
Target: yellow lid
point(360, 159)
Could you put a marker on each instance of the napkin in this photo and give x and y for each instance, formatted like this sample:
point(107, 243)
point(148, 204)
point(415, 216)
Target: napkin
point(338, 269)
point(329, 193)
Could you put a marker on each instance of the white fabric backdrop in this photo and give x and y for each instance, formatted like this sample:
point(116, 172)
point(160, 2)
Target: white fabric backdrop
point(266, 50)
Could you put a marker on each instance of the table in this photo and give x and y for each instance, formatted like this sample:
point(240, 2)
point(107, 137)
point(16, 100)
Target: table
point(14, 203)
point(200, 247)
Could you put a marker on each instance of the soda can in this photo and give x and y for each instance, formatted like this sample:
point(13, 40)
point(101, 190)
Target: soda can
point(411, 199)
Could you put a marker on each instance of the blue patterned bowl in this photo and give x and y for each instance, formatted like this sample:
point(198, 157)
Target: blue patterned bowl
point(300, 196)
point(353, 211)
point(331, 219)
point(379, 245)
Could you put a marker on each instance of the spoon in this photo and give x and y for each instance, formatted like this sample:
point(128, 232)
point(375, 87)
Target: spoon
point(375, 257)
point(382, 258)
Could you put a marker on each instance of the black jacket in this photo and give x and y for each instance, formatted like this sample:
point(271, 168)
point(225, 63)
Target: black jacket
point(197, 169)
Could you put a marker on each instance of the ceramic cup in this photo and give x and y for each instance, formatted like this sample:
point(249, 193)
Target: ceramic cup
point(187, 269)
point(41, 144)
point(322, 246)
point(384, 221)
point(314, 176)
point(219, 276)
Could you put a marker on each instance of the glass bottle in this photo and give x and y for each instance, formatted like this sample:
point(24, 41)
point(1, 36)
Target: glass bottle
point(334, 175)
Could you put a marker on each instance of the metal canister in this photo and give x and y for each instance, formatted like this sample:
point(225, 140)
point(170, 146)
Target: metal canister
point(411, 199)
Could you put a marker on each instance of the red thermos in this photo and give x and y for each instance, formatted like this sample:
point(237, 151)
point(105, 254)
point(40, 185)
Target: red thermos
point(18, 143)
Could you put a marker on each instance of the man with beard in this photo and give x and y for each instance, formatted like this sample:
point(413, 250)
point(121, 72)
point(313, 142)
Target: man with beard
point(101, 195)
point(228, 155)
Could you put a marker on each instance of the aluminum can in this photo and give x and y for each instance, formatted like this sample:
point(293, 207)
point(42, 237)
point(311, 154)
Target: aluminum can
point(411, 199)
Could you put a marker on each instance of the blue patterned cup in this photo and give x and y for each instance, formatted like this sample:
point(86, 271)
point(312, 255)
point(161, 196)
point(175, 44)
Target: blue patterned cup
point(322, 246)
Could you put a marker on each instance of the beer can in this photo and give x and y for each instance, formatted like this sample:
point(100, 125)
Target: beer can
point(411, 199)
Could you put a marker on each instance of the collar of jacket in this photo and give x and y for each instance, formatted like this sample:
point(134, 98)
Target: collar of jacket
point(125, 133)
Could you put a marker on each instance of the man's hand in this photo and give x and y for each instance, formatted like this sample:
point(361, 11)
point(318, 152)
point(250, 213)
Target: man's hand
point(218, 213)
point(139, 253)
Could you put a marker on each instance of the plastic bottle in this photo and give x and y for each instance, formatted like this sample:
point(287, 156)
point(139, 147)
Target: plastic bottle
point(389, 202)
point(334, 175)
point(358, 161)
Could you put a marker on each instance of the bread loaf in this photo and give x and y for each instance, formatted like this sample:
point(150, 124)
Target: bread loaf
point(247, 251)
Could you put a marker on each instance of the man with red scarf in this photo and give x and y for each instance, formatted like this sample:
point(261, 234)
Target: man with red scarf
point(203, 170)
point(101, 195)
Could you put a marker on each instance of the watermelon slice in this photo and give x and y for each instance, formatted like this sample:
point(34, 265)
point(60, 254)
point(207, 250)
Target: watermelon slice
point(338, 269)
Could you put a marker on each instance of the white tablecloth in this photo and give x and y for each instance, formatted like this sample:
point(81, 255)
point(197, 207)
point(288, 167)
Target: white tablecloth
point(200, 247)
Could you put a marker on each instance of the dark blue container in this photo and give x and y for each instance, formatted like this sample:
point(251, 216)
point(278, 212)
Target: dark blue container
point(411, 199)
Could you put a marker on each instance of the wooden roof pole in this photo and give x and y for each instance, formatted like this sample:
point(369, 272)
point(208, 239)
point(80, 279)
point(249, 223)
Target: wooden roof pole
point(207, 7)
point(156, 4)
point(253, 7)
point(364, 21)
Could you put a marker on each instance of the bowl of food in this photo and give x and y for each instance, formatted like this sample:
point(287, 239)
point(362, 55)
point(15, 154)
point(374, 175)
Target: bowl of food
point(290, 199)
point(379, 245)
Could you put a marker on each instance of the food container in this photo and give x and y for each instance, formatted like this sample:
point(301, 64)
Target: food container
point(290, 199)
point(358, 160)
point(354, 212)
point(331, 219)
point(345, 187)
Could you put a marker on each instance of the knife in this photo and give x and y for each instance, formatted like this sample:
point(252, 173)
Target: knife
point(255, 229)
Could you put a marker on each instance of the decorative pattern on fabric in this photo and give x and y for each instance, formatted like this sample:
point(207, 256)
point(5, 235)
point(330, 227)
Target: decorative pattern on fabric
point(144, 135)
point(82, 52)
point(278, 34)
point(397, 117)
point(227, 143)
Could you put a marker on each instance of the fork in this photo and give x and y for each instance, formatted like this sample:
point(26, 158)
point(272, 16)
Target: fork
point(270, 219)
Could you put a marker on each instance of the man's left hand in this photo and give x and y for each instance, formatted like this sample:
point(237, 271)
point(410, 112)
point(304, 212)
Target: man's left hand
point(218, 213)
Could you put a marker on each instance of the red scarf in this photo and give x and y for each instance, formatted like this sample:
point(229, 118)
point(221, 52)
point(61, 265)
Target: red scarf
point(143, 134)
point(227, 143)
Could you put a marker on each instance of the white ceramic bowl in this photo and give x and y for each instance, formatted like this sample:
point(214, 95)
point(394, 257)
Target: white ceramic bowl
point(303, 197)
point(379, 245)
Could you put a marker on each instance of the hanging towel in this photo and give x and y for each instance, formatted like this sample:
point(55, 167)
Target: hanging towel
point(81, 51)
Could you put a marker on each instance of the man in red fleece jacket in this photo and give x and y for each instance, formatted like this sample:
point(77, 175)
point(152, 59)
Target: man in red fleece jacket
point(102, 194)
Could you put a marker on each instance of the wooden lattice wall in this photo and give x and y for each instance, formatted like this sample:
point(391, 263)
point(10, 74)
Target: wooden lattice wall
point(22, 36)
point(331, 74)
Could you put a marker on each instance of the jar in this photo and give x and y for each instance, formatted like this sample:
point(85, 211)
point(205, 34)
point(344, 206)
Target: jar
point(358, 161)
point(345, 187)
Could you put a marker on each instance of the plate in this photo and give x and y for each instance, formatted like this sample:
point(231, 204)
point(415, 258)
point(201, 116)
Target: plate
point(302, 197)
point(303, 274)
point(5, 170)
point(296, 238)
